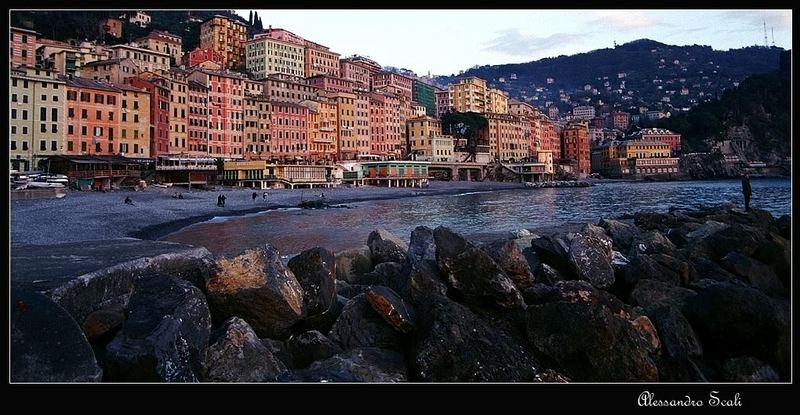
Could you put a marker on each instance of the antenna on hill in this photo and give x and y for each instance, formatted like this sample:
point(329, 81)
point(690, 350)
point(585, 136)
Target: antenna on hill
point(773, 36)
point(766, 42)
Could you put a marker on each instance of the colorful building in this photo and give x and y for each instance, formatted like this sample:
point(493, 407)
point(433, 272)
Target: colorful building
point(394, 173)
point(386, 125)
point(178, 110)
point(134, 134)
point(575, 146)
point(226, 111)
point(320, 60)
point(199, 56)
point(394, 83)
point(164, 42)
point(197, 128)
point(469, 95)
point(358, 74)
point(159, 89)
point(256, 125)
point(497, 102)
point(288, 89)
point(668, 137)
point(289, 131)
point(634, 158)
point(426, 141)
point(442, 102)
point(261, 174)
point(330, 83)
point(269, 53)
point(36, 116)
point(22, 44)
point(67, 59)
point(93, 117)
point(322, 129)
point(227, 37)
point(425, 95)
point(620, 120)
point(145, 59)
point(113, 71)
point(507, 141)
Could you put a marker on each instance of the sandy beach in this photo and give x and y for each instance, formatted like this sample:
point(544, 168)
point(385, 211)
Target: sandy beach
point(83, 216)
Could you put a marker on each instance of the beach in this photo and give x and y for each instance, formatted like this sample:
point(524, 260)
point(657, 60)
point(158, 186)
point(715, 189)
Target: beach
point(86, 216)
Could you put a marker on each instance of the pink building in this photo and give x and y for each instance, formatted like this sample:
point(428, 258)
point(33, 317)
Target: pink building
point(282, 35)
point(289, 131)
point(358, 74)
point(620, 120)
point(393, 82)
point(198, 56)
point(23, 47)
point(673, 139)
point(331, 83)
point(442, 102)
point(386, 125)
point(226, 108)
point(159, 90)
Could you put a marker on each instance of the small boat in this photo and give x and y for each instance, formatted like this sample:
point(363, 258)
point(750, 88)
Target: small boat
point(44, 185)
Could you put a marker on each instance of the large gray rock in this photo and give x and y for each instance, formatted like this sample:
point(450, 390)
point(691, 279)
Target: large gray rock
point(621, 233)
point(575, 291)
point(473, 273)
point(315, 270)
point(776, 252)
point(655, 221)
point(652, 242)
point(676, 335)
point(508, 255)
point(678, 265)
point(650, 294)
point(389, 274)
point(360, 326)
point(755, 272)
point(424, 279)
point(643, 266)
point(453, 345)
point(366, 364)
point(47, 345)
point(309, 347)
point(590, 343)
point(353, 263)
point(739, 238)
point(90, 275)
point(784, 224)
point(165, 335)
point(552, 250)
point(392, 308)
point(237, 355)
point(590, 257)
point(101, 325)
point(386, 247)
point(258, 288)
point(347, 290)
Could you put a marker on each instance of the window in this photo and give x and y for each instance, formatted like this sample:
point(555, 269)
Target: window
point(85, 97)
point(24, 53)
point(13, 97)
point(83, 131)
point(24, 114)
point(84, 113)
point(124, 103)
point(83, 146)
point(13, 145)
point(97, 148)
point(135, 117)
point(99, 115)
point(42, 145)
point(24, 99)
point(124, 117)
point(54, 115)
point(70, 112)
point(110, 147)
point(99, 99)
point(112, 100)
point(55, 98)
point(110, 116)
point(135, 148)
point(54, 128)
point(44, 97)
point(53, 145)
point(124, 133)
point(110, 133)
point(72, 95)
point(43, 127)
point(43, 114)
point(70, 129)
point(69, 145)
point(13, 114)
point(24, 146)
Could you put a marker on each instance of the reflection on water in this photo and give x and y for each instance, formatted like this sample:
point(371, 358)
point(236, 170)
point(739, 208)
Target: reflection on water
point(482, 215)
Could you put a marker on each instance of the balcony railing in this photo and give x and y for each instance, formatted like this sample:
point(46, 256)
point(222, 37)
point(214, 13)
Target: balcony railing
point(188, 167)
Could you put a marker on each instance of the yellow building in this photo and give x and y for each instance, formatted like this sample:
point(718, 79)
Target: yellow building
point(469, 95)
point(322, 129)
point(319, 60)
point(164, 42)
point(497, 102)
point(262, 174)
point(134, 135)
point(226, 36)
point(36, 116)
point(178, 111)
point(507, 140)
point(256, 125)
point(266, 56)
point(426, 141)
point(362, 123)
point(634, 157)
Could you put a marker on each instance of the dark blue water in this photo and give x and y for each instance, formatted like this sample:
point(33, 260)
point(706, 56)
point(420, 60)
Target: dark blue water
point(481, 215)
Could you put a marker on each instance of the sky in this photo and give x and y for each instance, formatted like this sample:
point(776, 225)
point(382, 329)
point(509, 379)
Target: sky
point(445, 42)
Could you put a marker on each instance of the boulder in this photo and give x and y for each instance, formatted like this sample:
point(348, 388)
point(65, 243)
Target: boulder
point(651, 294)
point(679, 266)
point(508, 255)
point(677, 337)
point(353, 263)
point(590, 258)
point(704, 268)
point(389, 274)
point(732, 321)
point(47, 345)
point(652, 242)
point(453, 345)
point(643, 266)
point(590, 343)
point(776, 252)
point(235, 354)
point(552, 250)
point(424, 279)
point(647, 332)
point(100, 326)
point(258, 288)
point(784, 224)
point(164, 336)
point(705, 230)
point(322, 322)
point(392, 308)
point(348, 291)
point(743, 239)
point(756, 272)
point(315, 270)
point(473, 273)
point(655, 221)
point(360, 326)
point(575, 291)
point(366, 364)
point(279, 350)
point(747, 369)
point(537, 294)
point(549, 275)
point(621, 233)
point(386, 247)
point(309, 347)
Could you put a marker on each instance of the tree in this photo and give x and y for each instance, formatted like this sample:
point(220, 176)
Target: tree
point(250, 18)
point(467, 126)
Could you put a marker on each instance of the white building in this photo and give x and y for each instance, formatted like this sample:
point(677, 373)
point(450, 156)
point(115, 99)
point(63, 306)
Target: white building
point(584, 112)
point(140, 19)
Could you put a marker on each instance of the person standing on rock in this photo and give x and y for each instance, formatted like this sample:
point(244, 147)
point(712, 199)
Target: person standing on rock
point(747, 191)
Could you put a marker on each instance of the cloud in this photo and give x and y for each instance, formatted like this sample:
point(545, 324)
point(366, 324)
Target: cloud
point(779, 19)
point(512, 42)
point(624, 20)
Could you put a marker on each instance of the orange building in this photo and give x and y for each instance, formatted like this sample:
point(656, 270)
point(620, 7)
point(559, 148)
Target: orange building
point(93, 117)
point(319, 60)
point(392, 82)
point(134, 140)
point(322, 129)
point(575, 146)
point(506, 137)
point(227, 37)
point(386, 125)
point(256, 125)
point(164, 42)
point(23, 46)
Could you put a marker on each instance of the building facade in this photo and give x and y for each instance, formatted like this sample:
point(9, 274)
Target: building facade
point(36, 116)
point(425, 95)
point(22, 44)
point(134, 134)
point(226, 111)
point(145, 59)
point(266, 55)
point(93, 118)
point(159, 90)
point(227, 37)
point(668, 137)
point(469, 95)
point(113, 71)
point(164, 42)
point(575, 146)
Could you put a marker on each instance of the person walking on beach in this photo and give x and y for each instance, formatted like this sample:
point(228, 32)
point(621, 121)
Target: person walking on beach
point(747, 191)
point(223, 200)
point(219, 200)
point(128, 201)
point(265, 195)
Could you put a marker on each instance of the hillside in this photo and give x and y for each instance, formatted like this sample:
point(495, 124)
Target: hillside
point(760, 107)
point(642, 73)
point(82, 25)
